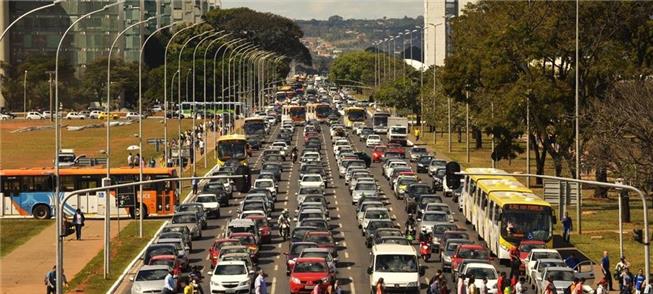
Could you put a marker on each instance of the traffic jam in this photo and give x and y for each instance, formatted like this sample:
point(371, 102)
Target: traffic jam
point(340, 201)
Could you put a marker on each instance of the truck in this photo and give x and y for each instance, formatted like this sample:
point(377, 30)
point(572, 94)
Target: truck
point(380, 122)
point(398, 130)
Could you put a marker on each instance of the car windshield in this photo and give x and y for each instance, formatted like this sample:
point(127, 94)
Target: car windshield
point(425, 159)
point(379, 224)
point(407, 182)
point(310, 215)
point(377, 214)
point(437, 208)
point(318, 254)
point(472, 254)
point(151, 275)
point(320, 224)
point(299, 233)
point(263, 184)
point(253, 206)
point(207, 199)
point(426, 200)
point(226, 251)
point(168, 262)
point(365, 186)
point(184, 218)
point(311, 179)
point(457, 235)
point(297, 249)
point(560, 275)
point(481, 272)
point(310, 267)
point(452, 246)
point(319, 239)
point(398, 241)
point(396, 263)
point(545, 255)
point(170, 235)
point(418, 150)
point(435, 217)
point(373, 137)
point(214, 186)
point(420, 189)
point(230, 270)
point(442, 229)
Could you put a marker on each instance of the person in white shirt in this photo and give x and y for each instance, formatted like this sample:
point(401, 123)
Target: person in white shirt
point(260, 285)
point(483, 288)
point(600, 289)
point(519, 287)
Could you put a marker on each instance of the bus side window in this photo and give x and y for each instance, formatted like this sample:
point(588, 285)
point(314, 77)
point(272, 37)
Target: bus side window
point(11, 186)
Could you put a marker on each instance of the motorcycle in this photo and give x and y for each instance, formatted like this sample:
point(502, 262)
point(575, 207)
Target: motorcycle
point(410, 233)
point(196, 279)
point(294, 156)
point(284, 231)
point(425, 250)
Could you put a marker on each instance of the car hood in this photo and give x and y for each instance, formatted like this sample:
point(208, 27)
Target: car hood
point(310, 276)
point(145, 286)
point(229, 278)
point(394, 278)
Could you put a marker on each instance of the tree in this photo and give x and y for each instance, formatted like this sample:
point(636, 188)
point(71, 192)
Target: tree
point(356, 66)
point(124, 82)
point(401, 93)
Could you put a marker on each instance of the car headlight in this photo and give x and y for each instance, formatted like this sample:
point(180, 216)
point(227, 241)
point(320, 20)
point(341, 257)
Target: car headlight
point(214, 283)
point(413, 284)
point(243, 283)
point(295, 280)
point(137, 288)
point(447, 258)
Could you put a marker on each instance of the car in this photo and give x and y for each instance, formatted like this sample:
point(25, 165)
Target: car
point(416, 152)
point(363, 189)
point(373, 213)
point(312, 181)
point(449, 249)
point(264, 227)
point(424, 199)
point(33, 115)
point(95, 114)
point(377, 153)
point(320, 253)
point(481, 271)
point(562, 278)
point(384, 233)
point(436, 164)
point(231, 277)
point(423, 163)
point(197, 208)
point(181, 228)
point(210, 203)
point(159, 249)
point(323, 239)
point(104, 115)
point(402, 184)
point(174, 235)
point(535, 277)
point(182, 252)
point(471, 252)
point(443, 207)
point(75, 115)
point(307, 271)
point(133, 115)
point(249, 240)
point(298, 233)
point(267, 184)
point(429, 219)
point(149, 279)
point(274, 168)
point(191, 220)
point(536, 254)
point(372, 140)
point(214, 251)
point(169, 260)
point(217, 189)
point(294, 250)
point(318, 223)
point(5, 116)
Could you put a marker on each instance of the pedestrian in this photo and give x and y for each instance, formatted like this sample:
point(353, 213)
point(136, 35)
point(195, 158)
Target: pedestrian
point(619, 270)
point(50, 280)
point(188, 287)
point(626, 281)
point(483, 288)
point(137, 159)
point(78, 221)
point(260, 285)
point(434, 285)
point(507, 290)
point(443, 285)
point(130, 160)
point(639, 282)
point(379, 287)
point(566, 227)
point(605, 269)
point(417, 133)
point(549, 288)
point(501, 282)
point(578, 289)
point(649, 286)
point(460, 286)
point(170, 285)
point(515, 261)
point(519, 287)
point(195, 184)
point(600, 288)
point(317, 289)
point(471, 287)
point(572, 261)
point(334, 289)
point(201, 147)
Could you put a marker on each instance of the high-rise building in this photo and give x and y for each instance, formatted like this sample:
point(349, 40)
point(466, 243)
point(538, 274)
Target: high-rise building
point(437, 14)
point(40, 32)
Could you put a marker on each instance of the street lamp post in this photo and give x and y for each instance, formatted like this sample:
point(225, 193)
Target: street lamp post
point(205, 86)
point(25, 94)
point(59, 220)
point(231, 74)
point(215, 56)
point(435, 34)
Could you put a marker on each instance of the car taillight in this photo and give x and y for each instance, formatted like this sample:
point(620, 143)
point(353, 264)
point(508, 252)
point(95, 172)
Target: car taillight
point(291, 262)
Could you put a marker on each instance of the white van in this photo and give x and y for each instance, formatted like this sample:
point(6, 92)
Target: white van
point(398, 265)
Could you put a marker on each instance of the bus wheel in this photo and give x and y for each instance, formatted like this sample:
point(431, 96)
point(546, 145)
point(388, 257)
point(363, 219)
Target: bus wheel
point(41, 211)
point(136, 212)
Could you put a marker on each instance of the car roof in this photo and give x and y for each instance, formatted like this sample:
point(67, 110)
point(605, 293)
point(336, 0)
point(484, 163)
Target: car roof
point(397, 249)
point(154, 267)
point(232, 262)
point(317, 249)
point(479, 265)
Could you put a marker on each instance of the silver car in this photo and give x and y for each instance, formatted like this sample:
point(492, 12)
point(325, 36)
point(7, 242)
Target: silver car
point(191, 220)
point(430, 218)
point(150, 279)
point(363, 188)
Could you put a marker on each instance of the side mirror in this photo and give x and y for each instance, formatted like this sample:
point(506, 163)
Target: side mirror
point(209, 273)
point(422, 270)
point(419, 219)
point(131, 279)
point(369, 270)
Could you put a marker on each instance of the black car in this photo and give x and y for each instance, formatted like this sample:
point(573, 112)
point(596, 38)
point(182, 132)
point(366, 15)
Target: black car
point(298, 233)
point(274, 168)
point(364, 157)
point(423, 163)
point(219, 191)
point(413, 192)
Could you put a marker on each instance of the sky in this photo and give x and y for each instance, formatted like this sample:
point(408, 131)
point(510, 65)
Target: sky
point(322, 9)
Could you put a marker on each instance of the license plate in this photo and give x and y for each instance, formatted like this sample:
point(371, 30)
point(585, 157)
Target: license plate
point(230, 291)
point(309, 287)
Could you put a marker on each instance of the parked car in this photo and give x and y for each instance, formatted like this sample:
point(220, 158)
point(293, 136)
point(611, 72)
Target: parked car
point(149, 279)
point(75, 115)
point(33, 115)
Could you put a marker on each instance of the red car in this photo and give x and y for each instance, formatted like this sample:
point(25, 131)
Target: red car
point(469, 251)
point(307, 272)
point(264, 228)
point(393, 147)
point(214, 251)
point(323, 239)
point(169, 260)
point(377, 153)
point(248, 240)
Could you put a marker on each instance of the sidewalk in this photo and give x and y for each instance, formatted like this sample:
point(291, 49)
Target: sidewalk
point(23, 269)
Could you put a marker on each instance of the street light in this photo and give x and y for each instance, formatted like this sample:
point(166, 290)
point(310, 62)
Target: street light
point(236, 50)
point(165, 88)
point(243, 75)
point(215, 56)
point(25, 94)
point(57, 146)
point(435, 47)
point(205, 86)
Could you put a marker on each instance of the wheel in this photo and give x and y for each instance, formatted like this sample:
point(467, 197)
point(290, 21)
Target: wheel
point(41, 211)
point(136, 212)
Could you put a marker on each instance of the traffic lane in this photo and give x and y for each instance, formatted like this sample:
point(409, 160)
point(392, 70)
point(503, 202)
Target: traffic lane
point(354, 255)
point(399, 208)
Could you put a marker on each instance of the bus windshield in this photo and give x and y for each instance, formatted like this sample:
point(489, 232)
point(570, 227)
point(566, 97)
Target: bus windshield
point(532, 222)
point(380, 120)
point(356, 114)
point(235, 149)
point(254, 127)
point(323, 111)
point(298, 111)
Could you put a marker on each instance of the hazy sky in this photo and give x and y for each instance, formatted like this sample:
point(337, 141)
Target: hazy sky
point(322, 9)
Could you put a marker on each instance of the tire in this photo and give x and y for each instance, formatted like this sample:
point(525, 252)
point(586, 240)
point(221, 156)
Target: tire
point(135, 212)
point(41, 211)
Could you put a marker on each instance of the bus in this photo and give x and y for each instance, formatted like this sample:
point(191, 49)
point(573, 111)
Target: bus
point(255, 131)
point(318, 111)
point(284, 94)
point(354, 114)
point(380, 122)
point(296, 113)
point(212, 108)
point(30, 192)
point(232, 147)
point(504, 212)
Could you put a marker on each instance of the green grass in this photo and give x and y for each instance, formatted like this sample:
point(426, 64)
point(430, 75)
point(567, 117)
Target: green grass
point(594, 247)
point(124, 248)
point(36, 148)
point(15, 232)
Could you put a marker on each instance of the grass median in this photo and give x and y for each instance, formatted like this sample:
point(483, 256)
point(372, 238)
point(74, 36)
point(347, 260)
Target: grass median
point(124, 248)
point(15, 232)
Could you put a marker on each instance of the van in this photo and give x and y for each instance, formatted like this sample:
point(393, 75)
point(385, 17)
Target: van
point(398, 265)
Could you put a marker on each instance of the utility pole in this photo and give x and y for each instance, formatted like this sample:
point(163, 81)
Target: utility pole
point(50, 87)
point(25, 94)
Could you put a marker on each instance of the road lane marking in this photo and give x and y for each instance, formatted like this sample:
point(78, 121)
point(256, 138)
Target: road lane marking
point(352, 287)
point(273, 287)
point(276, 267)
point(346, 255)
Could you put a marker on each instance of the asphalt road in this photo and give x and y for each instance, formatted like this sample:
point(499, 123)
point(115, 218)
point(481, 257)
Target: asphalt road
point(353, 254)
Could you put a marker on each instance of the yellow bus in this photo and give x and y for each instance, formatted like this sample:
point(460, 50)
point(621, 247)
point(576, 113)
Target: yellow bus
point(354, 114)
point(231, 147)
point(504, 212)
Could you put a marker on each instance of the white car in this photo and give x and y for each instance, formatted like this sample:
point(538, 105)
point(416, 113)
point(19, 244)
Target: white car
point(338, 143)
point(374, 213)
point(33, 115)
point(132, 115)
point(232, 276)
point(480, 271)
point(267, 184)
point(388, 170)
point(372, 140)
point(282, 145)
point(95, 114)
point(311, 156)
point(536, 254)
point(312, 181)
point(75, 115)
point(5, 116)
point(210, 203)
point(46, 114)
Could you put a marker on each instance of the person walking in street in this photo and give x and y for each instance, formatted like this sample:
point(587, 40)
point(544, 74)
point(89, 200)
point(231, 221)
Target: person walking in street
point(169, 283)
point(566, 227)
point(130, 160)
point(620, 268)
point(483, 289)
point(519, 287)
point(379, 287)
point(78, 221)
point(471, 287)
point(260, 285)
point(626, 281)
point(201, 147)
point(605, 269)
point(195, 184)
point(417, 133)
point(460, 286)
point(600, 288)
point(639, 282)
point(648, 289)
point(51, 280)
